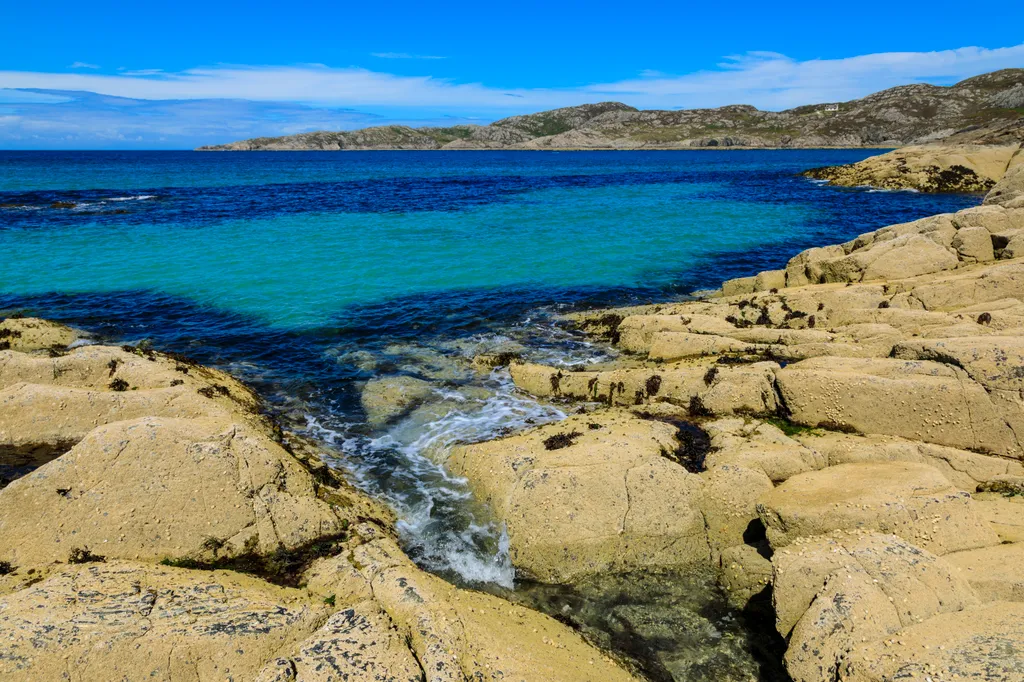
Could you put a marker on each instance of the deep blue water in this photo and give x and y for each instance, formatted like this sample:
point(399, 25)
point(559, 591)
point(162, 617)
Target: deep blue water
point(309, 273)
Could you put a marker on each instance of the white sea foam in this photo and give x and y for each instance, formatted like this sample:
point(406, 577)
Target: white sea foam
point(138, 197)
point(441, 525)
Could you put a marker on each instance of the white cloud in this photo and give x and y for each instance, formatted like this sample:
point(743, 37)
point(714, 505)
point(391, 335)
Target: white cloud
point(773, 81)
point(84, 65)
point(764, 79)
point(403, 55)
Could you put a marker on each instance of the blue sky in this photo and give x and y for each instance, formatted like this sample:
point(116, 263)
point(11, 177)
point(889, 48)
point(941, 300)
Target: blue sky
point(190, 73)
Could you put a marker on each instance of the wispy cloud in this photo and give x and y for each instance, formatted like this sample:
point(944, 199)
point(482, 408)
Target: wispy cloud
point(82, 120)
point(140, 72)
point(765, 79)
point(773, 81)
point(403, 55)
point(84, 65)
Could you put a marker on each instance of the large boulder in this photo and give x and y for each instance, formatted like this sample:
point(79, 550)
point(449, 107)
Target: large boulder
point(157, 488)
point(919, 583)
point(703, 389)
point(926, 401)
point(1009, 191)
point(975, 286)
point(913, 501)
point(591, 493)
point(729, 503)
point(760, 447)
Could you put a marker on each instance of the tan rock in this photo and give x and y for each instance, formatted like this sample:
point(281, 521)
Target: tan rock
point(1004, 514)
point(908, 257)
point(154, 488)
point(770, 279)
point(669, 346)
point(618, 387)
point(847, 590)
point(983, 643)
point(740, 285)
point(124, 620)
point(964, 469)
point(729, 503)
point(745, 389)
point(761, 447)
point(591, 493)
point(97, 367)
point(39, 422)
point(459, 634)
point(924, 401)
point(974, 245)
point(745, 574)
point(31, 334)
point(356, 643)
point(994, 572)
point(1009, 191)
point(927, 168)
point(974, 286)
point(913, 501)
point(919, 583)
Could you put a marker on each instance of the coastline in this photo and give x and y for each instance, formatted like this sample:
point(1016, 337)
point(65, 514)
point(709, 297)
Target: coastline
point(697, 507)
point(568, 149)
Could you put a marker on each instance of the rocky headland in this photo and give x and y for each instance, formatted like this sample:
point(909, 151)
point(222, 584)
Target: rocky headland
point(986, 109)
point(836, 446)
point(928, 168)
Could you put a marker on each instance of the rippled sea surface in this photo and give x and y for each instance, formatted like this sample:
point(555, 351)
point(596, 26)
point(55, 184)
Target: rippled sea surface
point(309, 274)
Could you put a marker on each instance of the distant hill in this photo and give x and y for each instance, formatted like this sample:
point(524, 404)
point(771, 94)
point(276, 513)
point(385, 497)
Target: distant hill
point(986, 109)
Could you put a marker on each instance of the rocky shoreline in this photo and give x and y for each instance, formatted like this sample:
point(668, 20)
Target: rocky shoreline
point(160, 526)
point(926, 168)
point(838, 445)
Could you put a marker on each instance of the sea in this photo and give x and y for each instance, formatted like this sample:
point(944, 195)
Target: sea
point(309, 274)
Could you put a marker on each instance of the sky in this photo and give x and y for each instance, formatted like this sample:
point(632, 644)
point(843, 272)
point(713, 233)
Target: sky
point(156, 75)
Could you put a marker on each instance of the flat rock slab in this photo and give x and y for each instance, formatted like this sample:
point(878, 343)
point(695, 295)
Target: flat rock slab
point(913, 501)
point(995, 573)
point(924, 401)
point(123, 620)
point(34, 415)
point(163, 488)
point(984, 643)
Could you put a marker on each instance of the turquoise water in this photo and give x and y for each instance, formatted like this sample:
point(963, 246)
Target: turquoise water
point(298, 270)
point(294, 240)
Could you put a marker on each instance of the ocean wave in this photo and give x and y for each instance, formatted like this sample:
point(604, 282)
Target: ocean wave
point(138, 197)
